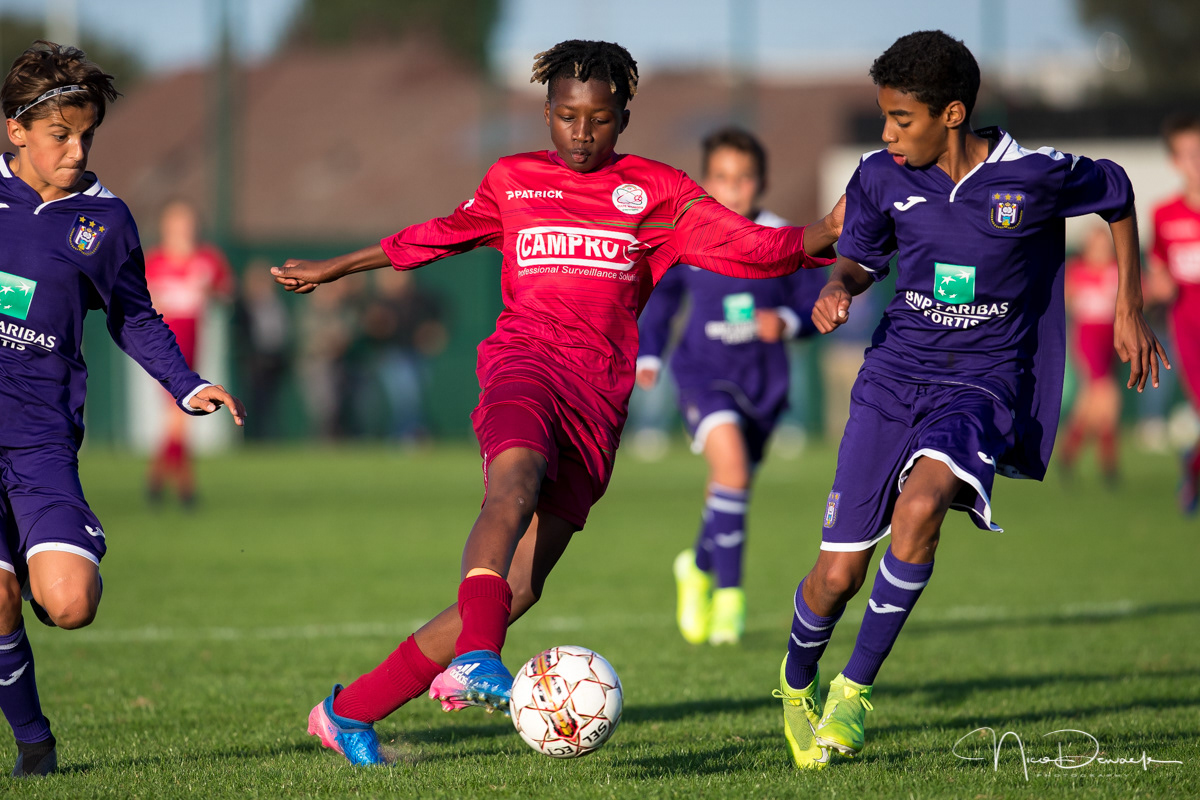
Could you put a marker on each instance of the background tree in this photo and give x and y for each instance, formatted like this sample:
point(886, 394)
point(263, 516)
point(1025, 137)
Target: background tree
point(1164, 42)
point(462, 25)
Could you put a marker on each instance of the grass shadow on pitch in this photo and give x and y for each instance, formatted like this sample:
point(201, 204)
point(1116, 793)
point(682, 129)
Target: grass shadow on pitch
point(1083, 616)
point(722, 760)
point(673, 712)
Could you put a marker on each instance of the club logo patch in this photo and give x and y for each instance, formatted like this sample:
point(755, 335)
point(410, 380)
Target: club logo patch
point(629, 198)
point(85, 235)
point(831, 509)
point(16, 294)
point(1006, 209)
point(953, 283)
point(738, 307)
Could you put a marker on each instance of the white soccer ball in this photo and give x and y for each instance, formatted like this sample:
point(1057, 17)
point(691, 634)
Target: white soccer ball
point(566, 701)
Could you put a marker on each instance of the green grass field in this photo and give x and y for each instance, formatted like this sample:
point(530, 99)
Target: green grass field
point(220, 630)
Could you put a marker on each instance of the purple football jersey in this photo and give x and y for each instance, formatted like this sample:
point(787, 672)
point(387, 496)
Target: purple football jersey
point(719, 347)
point(60, 259)
point(979, 281)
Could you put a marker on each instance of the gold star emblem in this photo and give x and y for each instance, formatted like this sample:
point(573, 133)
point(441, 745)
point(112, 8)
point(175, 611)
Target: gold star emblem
point(1008, 197)
point(91, 224)
point(1020, 197)
point(996, 196)
point(83, 219)
point(101, 229)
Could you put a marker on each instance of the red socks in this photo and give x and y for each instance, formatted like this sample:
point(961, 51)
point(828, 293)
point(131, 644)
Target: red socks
point(403, 675)
point(484, 604)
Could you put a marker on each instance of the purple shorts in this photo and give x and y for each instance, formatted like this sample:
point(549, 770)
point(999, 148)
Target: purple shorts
point(43, 508)
point(705, 409)
point(892, 424)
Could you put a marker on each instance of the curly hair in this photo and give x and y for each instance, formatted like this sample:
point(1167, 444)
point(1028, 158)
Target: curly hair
point(47, 66)
point(933, 67)
point(743, 142)
point(583, 60)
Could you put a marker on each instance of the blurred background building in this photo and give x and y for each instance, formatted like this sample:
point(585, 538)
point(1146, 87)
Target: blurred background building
point(304, 128)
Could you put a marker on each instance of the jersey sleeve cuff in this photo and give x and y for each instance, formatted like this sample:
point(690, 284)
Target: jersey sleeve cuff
point(648, 362)
point(791, 321)
point(184, 403)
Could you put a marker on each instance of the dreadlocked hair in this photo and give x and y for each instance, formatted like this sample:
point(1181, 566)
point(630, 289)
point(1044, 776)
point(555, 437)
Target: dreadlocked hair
point(583, 60)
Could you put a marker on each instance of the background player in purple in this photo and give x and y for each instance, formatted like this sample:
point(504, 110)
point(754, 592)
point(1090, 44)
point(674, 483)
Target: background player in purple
point(69, 246)
point(731, 368)
point(964, 375)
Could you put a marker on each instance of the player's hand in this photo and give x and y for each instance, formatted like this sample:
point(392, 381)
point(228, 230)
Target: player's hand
point(647, 377)
point(210, 398)
point(770, 325)
point(301, 277)
point(832, 307)
point(1138, 347)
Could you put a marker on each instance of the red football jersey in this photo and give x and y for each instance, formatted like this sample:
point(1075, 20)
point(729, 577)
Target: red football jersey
point(1177, 244)
point(181, 288)
point(1091, 293)
point(581, 253)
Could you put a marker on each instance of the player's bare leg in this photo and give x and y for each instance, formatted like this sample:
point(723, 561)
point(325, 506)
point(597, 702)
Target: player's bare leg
point(66, 586)
point(36, 746)
point(903, 574)
point(538, 551)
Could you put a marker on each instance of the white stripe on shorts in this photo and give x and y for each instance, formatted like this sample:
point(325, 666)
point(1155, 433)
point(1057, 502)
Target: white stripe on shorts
point(64, 548)
point(854, 547)
point(959, 473)
point(722, 417)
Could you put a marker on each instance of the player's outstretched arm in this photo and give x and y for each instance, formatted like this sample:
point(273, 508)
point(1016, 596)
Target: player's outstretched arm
point(820, 236)
point(847, 281)
point(1135, 342)
point(301, 277)
point(210, 398)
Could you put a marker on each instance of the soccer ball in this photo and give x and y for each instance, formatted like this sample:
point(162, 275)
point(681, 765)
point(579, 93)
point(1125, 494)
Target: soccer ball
point(566, 702)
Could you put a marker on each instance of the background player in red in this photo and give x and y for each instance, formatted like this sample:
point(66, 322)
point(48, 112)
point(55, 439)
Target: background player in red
point(184, 276)
point(1175, 270)
point(585, 233)
point(1092, 281)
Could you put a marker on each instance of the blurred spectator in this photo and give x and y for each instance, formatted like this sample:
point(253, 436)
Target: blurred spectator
point(1091, 294)
point(402, 327)
point(263, 336)
point(183, 276)
point(327, 329)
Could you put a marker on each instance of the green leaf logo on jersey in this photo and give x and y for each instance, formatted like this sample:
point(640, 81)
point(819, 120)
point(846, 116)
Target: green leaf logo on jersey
point(16, 293)
point(739, 307)
point(953, 283)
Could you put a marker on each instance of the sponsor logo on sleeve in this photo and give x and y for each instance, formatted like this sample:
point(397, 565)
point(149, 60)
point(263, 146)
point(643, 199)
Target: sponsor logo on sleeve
point(1006, 209)
point(629, 198)
point(85, 235)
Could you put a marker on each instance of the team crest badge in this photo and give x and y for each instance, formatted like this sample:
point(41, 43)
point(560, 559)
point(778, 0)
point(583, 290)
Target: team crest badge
point(85, 235)
point(831, 509)
point(1007, 208)
point(629, 198)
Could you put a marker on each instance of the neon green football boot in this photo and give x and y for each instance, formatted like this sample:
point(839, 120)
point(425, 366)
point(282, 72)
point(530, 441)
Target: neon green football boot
point(842, 726)
point(693, 611)
point(800, 718)
point(728, 616)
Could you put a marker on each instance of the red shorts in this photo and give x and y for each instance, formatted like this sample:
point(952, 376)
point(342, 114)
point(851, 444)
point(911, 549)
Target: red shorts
point(186, 332)
point(1185, 330)
point(519, 413)
point(1094, 347)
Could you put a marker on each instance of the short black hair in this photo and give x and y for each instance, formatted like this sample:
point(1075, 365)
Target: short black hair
point(583, 60)
point(933, 67)
point(740, 140)
point(1177, 123)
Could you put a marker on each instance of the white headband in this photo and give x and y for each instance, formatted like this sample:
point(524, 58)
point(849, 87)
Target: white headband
point(47, 95)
